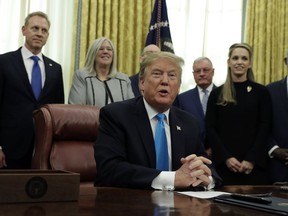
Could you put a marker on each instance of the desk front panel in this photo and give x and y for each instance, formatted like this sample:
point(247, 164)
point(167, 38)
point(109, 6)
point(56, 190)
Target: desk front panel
point(116, 201)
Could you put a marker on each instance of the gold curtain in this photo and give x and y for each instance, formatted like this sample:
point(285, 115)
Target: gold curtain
point(267, 32)
point(125, 22)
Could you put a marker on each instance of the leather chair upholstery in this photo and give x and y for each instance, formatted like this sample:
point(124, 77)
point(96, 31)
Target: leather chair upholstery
point(64, 139)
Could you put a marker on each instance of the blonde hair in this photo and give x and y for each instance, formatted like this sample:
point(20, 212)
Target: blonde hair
point(37, 13)
point(176, 60)
point(89, 64)
point(228, 92)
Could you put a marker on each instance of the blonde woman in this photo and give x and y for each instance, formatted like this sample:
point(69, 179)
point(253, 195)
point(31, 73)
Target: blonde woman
point(99, 83)
point(238, 122)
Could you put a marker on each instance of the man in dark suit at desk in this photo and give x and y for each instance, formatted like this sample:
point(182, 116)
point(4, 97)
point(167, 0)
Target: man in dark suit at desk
point(135, 78)
point(278, 145)
point(126, 150)
point(22, 91)
point(195, 100)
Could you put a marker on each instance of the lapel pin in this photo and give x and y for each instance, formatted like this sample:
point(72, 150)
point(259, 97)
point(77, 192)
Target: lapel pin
point(249, 88)
point(50, 64)
point(178, 128)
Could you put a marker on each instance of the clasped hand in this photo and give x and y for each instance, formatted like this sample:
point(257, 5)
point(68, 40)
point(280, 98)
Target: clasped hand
point(236, 166)
point(193, 172)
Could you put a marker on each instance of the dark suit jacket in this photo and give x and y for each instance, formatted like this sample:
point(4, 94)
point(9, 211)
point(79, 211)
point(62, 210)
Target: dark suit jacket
point(190, 102)
point(279, 96)
point(17, 101)
point(135, 84)
point(124, 150)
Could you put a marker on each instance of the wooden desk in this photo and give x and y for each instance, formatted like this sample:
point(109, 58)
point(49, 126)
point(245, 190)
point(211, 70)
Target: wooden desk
point(116, 201)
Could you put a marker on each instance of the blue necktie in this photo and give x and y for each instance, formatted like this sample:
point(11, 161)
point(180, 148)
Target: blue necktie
point(36, 80)
point(162, 162)
point(161, 211)
point(205, 100)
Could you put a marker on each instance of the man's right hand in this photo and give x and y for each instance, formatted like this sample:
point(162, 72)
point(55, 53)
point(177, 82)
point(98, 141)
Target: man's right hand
point(193, 172)
point(2, 159)
point(233, 164)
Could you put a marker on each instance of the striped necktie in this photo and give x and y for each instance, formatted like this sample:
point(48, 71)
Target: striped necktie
point(204, 100)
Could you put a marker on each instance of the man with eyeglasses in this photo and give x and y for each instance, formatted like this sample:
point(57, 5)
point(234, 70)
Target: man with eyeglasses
point(278, 145)
point(194, 100)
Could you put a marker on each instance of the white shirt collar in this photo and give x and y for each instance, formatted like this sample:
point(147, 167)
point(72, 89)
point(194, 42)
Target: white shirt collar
point(27, 53)
point(152, 112)
point(209, 88)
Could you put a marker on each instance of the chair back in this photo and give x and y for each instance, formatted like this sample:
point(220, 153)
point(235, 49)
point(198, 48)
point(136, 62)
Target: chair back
point(64, 139)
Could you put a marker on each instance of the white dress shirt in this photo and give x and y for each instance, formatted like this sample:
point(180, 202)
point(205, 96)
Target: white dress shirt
point(201, 92)
point(165, 180)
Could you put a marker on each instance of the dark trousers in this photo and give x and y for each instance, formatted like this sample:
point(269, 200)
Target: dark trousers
point(21, 163)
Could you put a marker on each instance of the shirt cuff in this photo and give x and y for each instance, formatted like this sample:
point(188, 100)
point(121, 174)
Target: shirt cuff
point(164, 181)
point(271, 151)
point(211, 185)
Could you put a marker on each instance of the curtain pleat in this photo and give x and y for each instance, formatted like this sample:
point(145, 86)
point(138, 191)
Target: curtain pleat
point(125, 22)
point(267, 32)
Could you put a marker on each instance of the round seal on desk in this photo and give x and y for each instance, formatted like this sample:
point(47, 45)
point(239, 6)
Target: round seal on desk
point(36, 187)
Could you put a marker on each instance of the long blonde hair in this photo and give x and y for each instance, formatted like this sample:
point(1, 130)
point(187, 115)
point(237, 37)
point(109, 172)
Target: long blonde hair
point(228, 93)
point(92, 52)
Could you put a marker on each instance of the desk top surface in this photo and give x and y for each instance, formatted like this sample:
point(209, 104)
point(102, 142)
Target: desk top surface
point(116, 201)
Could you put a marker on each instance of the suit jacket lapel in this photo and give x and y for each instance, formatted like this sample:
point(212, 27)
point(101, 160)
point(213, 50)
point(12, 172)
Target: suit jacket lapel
point(143, 125)
point(22, 73)
point(196, 100)
point(283, 92)
point(48, 75)
point(177, 140)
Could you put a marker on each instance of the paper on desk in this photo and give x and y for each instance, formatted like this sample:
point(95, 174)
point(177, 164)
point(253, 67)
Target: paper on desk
point(203, 194)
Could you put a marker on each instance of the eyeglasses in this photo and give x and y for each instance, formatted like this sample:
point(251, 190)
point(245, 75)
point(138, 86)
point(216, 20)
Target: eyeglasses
point(204, 70)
